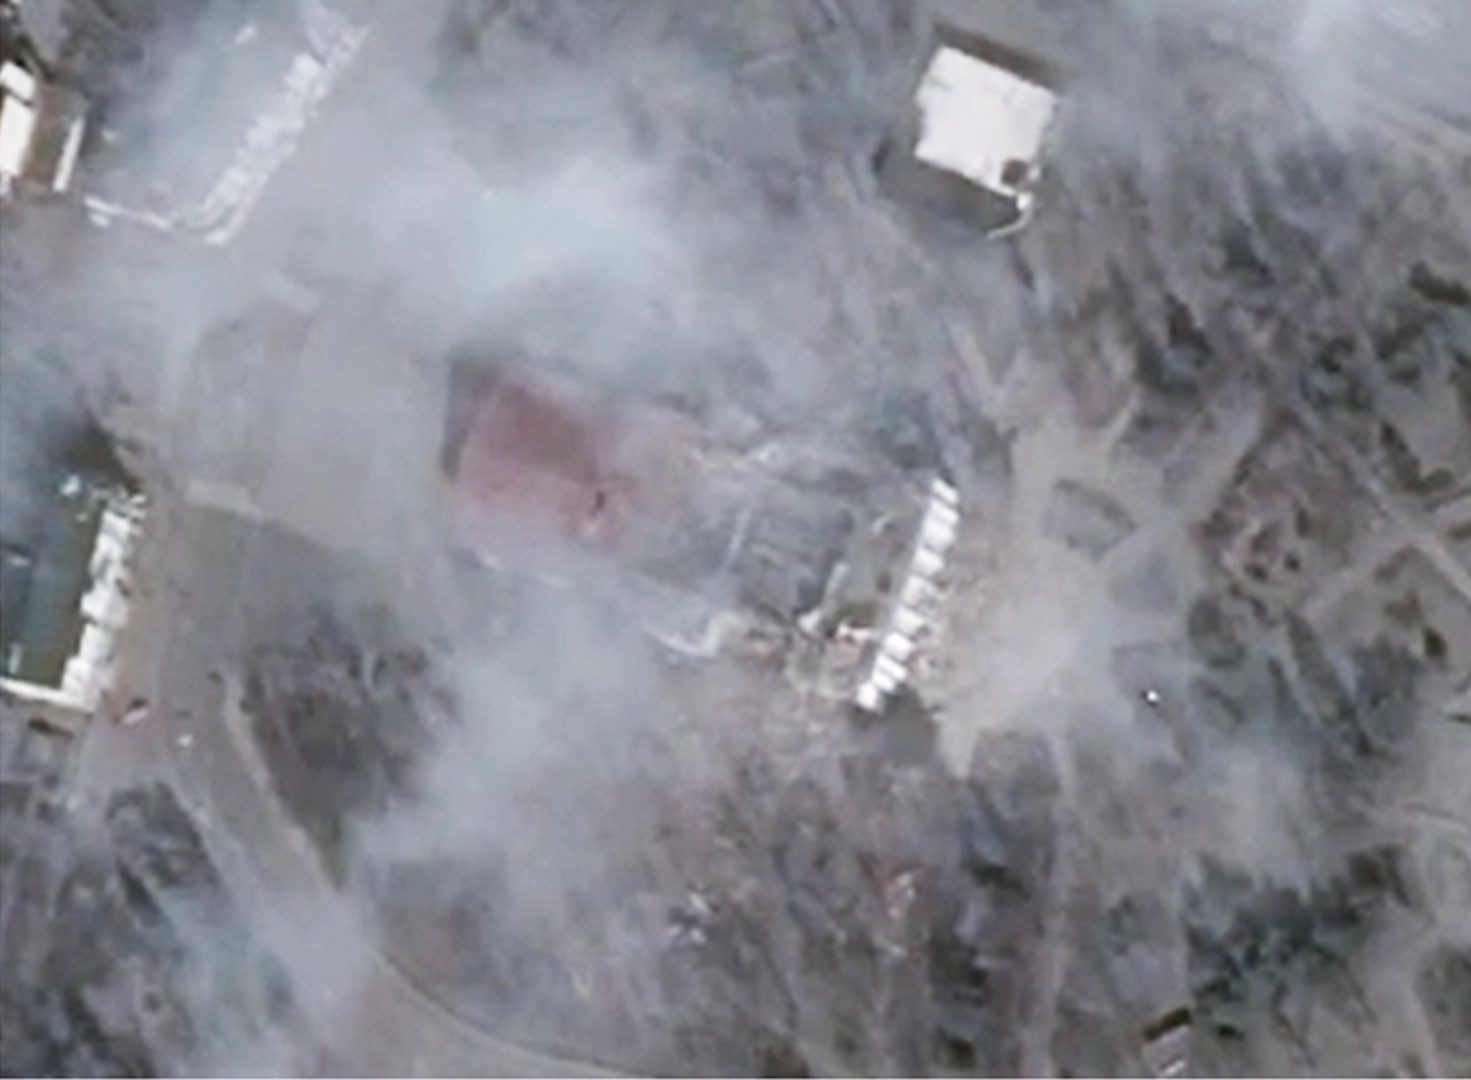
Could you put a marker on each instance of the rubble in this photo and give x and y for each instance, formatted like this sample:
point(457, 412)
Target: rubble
point(1089, 521)
point(628, 736)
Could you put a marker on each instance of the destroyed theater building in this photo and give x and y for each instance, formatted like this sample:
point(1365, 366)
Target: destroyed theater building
point(556, 480)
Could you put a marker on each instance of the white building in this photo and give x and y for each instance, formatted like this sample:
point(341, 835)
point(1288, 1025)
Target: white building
point(64, 597)
point(976, 137)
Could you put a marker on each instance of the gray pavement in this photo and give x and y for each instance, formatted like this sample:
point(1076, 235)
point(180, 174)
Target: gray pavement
point(356, 426)
point(372, 1019)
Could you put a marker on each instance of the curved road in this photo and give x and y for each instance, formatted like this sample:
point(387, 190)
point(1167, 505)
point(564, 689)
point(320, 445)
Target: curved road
point(372, 1019)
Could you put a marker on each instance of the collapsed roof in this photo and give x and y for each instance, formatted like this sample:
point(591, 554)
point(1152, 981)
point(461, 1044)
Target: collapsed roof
point(981, 121)
point(41, 130)
point(549, 479)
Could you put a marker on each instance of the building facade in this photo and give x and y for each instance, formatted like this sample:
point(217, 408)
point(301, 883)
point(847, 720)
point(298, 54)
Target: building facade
point(65, 594)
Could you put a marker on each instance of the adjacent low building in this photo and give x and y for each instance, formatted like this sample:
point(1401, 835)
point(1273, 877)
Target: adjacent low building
point(553, 479)
point(64, 594)
point(241, 83)
point(42, 124)
point(973, 144)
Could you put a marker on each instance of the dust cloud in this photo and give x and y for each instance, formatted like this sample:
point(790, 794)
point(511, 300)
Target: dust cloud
point(533, 202)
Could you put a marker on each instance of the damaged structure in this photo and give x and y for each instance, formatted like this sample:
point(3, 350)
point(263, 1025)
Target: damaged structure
point(708, 542)
point(972, 144)
point(206, 189)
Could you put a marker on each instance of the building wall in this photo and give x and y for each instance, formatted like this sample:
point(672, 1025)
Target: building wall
point(65, 611)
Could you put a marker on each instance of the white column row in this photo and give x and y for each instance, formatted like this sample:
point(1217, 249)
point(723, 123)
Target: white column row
point(914, 606)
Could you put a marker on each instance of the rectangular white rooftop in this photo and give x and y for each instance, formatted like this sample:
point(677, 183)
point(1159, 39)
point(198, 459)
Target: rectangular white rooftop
point(976, 117)
point(17, 128)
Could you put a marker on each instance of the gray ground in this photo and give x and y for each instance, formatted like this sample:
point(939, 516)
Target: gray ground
point(1194, 733)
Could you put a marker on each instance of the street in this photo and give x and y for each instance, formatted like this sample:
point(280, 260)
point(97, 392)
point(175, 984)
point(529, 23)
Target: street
point(356, 415)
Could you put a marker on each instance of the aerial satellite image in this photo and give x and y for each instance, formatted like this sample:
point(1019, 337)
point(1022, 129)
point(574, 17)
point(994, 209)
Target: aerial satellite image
point(766, 538)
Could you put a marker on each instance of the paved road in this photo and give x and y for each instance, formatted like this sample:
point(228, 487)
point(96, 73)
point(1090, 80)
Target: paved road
point(350, 415)
point(372, 1019)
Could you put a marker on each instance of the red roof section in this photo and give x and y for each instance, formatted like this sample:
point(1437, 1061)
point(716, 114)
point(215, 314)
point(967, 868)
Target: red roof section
point(545, 472)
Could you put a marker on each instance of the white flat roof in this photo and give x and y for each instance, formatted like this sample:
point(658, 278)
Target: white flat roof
point(17, 126)
point(975, 117)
